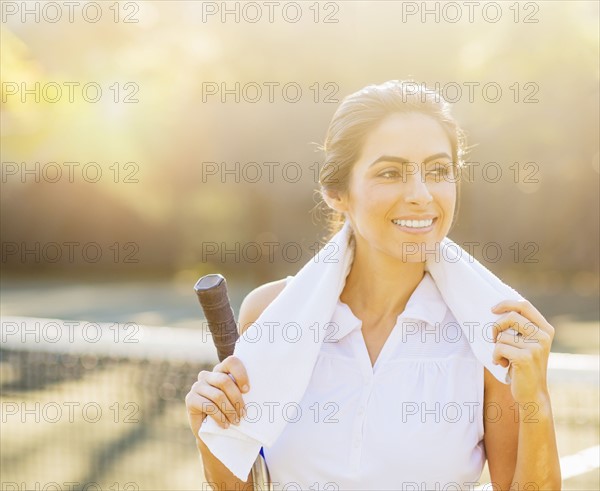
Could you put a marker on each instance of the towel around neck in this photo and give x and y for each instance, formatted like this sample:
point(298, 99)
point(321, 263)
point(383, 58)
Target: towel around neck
point(280, 349)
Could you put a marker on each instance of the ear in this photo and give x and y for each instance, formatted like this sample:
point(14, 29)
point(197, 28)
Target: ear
point(334, 200)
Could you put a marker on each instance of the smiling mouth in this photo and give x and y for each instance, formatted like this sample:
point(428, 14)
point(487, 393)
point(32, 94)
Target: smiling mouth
point(415, 224)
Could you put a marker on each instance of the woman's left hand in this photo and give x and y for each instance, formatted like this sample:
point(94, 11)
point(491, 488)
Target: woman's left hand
point(527, 350)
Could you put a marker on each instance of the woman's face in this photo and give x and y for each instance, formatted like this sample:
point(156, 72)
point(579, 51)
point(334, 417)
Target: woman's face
point(402, 189)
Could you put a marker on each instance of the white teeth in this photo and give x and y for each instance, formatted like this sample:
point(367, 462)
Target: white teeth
point(414, 223)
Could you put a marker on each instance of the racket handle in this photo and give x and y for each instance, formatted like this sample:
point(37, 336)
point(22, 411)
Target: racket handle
point(211, 290)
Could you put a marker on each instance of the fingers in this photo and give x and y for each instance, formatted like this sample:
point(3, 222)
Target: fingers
point(504, 354)
point(217, 393)
point(200, 405)
point(222, 406)
point(517, 323)
point(235, 367)
point(214, 402)
point(229, 393)
point(516, 354)
point(528, 311)
point(528, 331)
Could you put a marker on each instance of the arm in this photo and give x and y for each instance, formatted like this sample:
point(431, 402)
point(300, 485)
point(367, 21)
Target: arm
point(517, 437)
point(522, 443)
point(252, 307)
point(501, 431)
point(537, 457)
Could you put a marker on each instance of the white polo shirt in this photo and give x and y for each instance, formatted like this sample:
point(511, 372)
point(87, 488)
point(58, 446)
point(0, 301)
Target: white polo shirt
point(413, 421)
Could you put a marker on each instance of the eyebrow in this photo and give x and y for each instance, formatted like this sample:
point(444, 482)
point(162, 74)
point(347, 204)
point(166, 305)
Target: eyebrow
point(402, 160)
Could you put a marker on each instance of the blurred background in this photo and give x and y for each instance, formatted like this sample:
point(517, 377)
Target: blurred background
point(145, 144)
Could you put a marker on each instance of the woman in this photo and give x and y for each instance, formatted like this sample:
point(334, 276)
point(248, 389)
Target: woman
point(393, 158)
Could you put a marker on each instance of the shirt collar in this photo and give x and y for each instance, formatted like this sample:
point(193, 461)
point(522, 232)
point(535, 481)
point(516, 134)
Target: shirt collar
point(425, 304)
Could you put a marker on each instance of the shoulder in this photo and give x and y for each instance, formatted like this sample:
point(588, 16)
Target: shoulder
point(257, 301)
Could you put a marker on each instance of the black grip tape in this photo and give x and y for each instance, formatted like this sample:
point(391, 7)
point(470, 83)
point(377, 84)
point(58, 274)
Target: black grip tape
point(212, 294)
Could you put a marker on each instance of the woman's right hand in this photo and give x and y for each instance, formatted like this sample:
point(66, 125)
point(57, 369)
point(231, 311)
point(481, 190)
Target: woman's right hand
point(217, 395)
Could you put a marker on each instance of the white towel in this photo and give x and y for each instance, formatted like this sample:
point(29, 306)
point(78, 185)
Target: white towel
point(280, 349)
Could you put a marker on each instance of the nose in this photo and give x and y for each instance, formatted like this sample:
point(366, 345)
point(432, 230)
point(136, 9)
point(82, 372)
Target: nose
point(416, 190)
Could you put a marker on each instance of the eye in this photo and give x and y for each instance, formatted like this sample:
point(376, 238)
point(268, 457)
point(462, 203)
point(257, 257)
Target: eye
point(439, 170)
point(389, 174)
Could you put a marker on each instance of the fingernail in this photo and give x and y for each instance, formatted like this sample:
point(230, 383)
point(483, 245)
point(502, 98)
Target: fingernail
point(226, 424)
point(245, 388)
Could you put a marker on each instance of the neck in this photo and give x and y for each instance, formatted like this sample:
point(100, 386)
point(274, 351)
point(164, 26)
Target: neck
point(378, 285)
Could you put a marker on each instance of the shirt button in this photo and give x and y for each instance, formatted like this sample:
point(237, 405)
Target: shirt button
point(356, 443)
point(361, 411)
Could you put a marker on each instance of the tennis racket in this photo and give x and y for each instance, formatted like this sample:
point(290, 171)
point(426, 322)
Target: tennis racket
point(211, 290)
